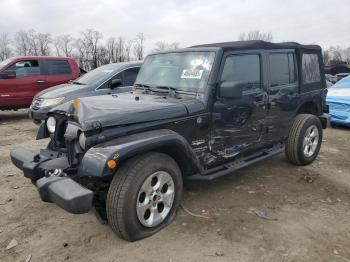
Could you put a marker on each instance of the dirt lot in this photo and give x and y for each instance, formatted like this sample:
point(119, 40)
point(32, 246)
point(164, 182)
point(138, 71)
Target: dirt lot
point(309, 208)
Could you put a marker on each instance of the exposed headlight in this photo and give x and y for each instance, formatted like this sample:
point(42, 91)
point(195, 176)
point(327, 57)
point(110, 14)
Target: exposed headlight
point(51, 101)
point(82, 140)
point(51, 124)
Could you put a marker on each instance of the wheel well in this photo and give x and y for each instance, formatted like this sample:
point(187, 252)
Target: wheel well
point(309, 108)
point(186, 165)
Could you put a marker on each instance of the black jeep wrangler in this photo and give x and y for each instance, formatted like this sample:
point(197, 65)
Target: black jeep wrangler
point(196, 113)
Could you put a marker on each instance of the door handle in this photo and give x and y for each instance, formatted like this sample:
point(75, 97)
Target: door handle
point(40, 81)
point(4, 95)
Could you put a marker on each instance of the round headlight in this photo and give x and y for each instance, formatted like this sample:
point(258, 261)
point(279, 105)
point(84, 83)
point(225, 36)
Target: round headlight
point(82, 140)
point(51, 124)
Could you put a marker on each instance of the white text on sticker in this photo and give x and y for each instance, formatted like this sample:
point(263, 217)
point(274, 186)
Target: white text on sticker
point(192, 73)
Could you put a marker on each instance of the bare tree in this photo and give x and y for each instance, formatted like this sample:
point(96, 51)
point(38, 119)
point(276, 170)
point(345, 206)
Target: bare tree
point(88, 49)
point(64, 45)
point(122, 49)
point(67, 45)
point(102, 56)
point(33, 42)
point(347, 55)
point(79, 46)
point(5, 49)
point(87, 46)
point(255, 35)
point(56, 43)
point(22, 43)
point(139, 46)
point(111, 47)
point(162, 45)
point(44, 41)
point(336, 53)
point(116, 49)
point(326, 57)
point(127, 50)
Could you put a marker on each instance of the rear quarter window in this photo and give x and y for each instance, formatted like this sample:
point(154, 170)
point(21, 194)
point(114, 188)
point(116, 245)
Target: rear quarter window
point(310, 69)
point(57, 67)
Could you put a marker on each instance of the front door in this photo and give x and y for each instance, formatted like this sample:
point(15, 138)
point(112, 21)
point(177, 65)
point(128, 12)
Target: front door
point(239, 124)
point(27, 81)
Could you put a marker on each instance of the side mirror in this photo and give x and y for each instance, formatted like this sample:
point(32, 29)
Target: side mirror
point(231, 90)
point(115, 83)
point(8, 75)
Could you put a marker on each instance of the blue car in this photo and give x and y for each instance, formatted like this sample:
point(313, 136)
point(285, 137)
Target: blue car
point(338, 100)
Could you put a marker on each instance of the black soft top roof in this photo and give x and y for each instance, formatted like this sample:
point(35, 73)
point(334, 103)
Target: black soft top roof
point(258, 44)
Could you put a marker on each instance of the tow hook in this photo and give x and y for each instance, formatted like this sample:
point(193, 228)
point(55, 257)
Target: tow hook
point(55, 172)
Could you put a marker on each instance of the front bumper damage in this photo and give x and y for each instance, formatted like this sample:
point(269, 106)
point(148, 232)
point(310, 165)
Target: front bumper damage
point(61, 190)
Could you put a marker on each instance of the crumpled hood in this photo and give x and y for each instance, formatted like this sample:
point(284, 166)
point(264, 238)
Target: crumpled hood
point(129, 108)
point(62, 90)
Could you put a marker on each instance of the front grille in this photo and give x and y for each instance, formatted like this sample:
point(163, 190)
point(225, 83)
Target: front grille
point(37, 103)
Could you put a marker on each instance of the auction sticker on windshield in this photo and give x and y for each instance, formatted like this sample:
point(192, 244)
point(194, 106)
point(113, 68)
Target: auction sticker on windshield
point(192, 74)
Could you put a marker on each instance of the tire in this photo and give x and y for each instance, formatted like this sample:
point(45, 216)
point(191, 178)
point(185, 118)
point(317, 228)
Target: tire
point(132, 196)
point(304, 139)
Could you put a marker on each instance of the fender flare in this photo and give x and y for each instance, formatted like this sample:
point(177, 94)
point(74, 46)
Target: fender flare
point(122, 148)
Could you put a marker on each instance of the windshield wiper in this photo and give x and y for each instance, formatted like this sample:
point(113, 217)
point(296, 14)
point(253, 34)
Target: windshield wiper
point(163, 89)
point(173, 90)
point(143, 87)
point(166, 88)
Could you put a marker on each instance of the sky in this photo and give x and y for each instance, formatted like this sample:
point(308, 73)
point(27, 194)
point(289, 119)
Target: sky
point(187, 22)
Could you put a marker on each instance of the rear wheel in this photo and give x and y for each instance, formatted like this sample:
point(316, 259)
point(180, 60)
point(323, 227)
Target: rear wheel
point(144, 195)
point(304, 139)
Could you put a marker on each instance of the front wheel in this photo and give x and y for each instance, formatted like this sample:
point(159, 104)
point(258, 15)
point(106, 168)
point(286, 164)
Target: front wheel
point(144, 195)
point(304, 139)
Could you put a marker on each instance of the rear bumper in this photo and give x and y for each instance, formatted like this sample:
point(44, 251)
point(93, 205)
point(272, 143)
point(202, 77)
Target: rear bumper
point(63, 191)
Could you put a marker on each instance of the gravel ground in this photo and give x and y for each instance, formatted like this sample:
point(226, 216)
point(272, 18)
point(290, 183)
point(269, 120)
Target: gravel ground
point(306, 209)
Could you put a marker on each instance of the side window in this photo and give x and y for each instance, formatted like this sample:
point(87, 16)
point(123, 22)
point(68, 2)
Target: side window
point(282, 69)
point(243, 68)
point(129, 76)
point(24, 68)
point(311, 69)
point(57, 67)
point(118, 76)
point(106, 84)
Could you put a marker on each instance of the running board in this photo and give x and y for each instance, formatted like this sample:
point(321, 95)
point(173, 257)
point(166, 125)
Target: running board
point(239, 163)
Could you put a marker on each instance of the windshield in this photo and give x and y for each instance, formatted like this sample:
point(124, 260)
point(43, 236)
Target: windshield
point(5, 62)
point(96, 75)
point(187, 71)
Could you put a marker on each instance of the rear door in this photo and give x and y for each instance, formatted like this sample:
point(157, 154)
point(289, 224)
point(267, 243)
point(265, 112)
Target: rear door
point(28, 79)
point(283, 92)
point(57, 72)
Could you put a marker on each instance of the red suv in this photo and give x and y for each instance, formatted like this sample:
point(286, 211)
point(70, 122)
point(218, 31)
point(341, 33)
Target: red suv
point(21, 78)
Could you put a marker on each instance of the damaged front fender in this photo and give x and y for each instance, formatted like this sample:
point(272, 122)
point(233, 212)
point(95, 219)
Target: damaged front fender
point(166, 141)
